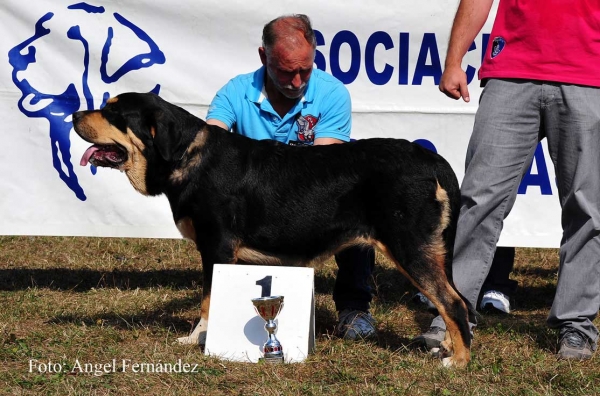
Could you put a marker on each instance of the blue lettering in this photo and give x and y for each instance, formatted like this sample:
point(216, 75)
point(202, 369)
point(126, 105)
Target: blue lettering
point(428, 62)
point(378, 78)
point(319, 57)
point(403, 59)
point(345, 37)
point(542, 179)
point(470, 69)
point(428, 47)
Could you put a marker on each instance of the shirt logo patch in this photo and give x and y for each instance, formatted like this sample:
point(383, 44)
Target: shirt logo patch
point(497, 46)
point(306, 128)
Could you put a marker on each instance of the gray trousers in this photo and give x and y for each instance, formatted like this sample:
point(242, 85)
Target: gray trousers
point(513, 116)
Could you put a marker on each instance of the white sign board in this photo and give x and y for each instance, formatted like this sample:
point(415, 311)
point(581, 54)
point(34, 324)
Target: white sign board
point(236, 332)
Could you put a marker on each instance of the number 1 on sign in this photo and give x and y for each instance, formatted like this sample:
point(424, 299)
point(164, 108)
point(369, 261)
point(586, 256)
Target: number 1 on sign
point(265, 284)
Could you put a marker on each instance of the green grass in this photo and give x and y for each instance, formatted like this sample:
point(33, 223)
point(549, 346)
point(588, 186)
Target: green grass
point(92, 300)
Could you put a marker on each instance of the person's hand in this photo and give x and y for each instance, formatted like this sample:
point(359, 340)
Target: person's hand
point(454, 83)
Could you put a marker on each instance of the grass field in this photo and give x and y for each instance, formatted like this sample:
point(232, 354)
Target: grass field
point(74, 301)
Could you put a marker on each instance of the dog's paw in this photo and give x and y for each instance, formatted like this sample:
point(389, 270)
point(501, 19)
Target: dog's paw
point(189, 340)
point(448, 359)
point(448, 362)
point(198, 336)
point(452, 362)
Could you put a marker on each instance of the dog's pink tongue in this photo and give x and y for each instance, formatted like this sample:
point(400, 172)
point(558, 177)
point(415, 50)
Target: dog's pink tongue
point(87, 155)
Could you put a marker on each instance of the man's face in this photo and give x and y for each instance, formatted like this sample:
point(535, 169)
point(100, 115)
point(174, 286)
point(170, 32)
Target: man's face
point(289, 66)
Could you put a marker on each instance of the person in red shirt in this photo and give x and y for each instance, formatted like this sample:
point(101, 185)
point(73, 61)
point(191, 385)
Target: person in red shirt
point(541, 79)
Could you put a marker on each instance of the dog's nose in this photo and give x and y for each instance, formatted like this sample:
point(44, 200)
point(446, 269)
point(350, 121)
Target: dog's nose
point(77, 116)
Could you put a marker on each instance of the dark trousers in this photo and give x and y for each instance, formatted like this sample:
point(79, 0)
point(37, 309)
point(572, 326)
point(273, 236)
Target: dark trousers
point(502, 266)
point(355, 266)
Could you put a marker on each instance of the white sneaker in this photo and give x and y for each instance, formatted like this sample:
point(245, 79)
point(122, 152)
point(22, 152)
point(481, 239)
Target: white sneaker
point(495, 300)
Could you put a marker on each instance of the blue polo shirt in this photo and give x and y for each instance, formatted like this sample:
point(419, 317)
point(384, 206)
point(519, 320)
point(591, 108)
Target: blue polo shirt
point(323, 112)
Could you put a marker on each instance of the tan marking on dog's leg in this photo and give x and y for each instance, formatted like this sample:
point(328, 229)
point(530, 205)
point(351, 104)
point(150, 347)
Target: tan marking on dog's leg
point(198, 336)
point(461, 354)
point(205, 307)
point(447, 343)
point(453, 341)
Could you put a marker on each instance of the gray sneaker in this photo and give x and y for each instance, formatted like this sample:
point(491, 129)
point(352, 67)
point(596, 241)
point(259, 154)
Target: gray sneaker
point(420, 299)
point(574, 345)
point(355, 325)
point(432, 338)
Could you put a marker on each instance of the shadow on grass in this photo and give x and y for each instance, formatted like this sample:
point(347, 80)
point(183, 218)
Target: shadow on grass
point(80, 280)
point(162, 317)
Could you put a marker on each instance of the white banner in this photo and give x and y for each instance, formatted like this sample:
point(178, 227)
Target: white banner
point(64, 56)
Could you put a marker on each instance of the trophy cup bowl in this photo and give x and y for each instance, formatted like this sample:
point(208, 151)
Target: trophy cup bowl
point(268, 308)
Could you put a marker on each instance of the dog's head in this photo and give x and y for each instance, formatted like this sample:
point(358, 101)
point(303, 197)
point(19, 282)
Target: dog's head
point(140, 134)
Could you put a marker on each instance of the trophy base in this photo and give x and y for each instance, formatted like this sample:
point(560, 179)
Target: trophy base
point(278, 359)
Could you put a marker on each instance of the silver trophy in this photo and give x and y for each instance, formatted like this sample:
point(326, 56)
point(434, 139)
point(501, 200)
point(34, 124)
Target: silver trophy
point(268, 308)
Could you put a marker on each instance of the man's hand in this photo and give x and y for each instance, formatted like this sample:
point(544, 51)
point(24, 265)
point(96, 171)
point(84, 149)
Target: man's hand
point(454, 83)
point(470, 18)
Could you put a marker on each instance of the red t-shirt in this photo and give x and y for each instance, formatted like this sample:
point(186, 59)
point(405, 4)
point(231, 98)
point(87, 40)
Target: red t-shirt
point(549, 40)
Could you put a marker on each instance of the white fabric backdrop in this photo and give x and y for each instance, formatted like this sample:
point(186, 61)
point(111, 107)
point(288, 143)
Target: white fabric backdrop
point(389, 53)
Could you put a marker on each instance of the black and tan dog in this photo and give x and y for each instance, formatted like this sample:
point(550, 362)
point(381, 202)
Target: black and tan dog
point(262, 202)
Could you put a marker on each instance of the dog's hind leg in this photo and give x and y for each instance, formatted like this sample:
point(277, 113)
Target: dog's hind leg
point(424, 266)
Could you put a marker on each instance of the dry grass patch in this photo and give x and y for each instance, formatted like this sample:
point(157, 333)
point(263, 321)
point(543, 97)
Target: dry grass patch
point(93, 300)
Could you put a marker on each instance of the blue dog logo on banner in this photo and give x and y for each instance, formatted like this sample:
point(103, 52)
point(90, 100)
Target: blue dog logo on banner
point(53, 89)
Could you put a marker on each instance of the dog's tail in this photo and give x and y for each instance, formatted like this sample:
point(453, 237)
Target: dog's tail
point(447, 180)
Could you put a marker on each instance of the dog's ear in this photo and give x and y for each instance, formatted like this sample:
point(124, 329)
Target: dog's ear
point(169, 128)
point(168, 135)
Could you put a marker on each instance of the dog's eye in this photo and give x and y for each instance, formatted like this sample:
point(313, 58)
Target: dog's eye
point(116, 119)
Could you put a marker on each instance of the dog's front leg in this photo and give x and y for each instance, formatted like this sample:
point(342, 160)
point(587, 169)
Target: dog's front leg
point(210, 256)
point(198, 336)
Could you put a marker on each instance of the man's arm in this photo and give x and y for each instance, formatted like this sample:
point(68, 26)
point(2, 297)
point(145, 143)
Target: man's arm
point(221, 109)
point(323, 141)
point(335, 120)
point(470, 18)
point(213, 121)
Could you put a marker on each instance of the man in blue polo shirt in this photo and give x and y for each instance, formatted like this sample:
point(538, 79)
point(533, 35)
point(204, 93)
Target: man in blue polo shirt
point(289, 101)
